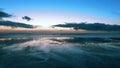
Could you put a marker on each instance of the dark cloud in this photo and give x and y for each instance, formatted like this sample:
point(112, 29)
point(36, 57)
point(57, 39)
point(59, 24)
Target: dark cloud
point(15, 24)
point(90, 26)
point(26, 18)
point(4, 14)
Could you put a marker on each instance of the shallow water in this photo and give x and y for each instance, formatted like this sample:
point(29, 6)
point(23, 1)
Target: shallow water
point(60, 52)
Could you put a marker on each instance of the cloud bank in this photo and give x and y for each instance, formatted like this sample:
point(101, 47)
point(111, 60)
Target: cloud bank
point(90, 26)
point(15, 24)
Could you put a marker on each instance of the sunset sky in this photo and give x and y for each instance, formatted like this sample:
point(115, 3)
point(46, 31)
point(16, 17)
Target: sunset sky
point(52, 12)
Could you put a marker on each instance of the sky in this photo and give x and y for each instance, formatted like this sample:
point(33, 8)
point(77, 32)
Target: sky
point(52, 12)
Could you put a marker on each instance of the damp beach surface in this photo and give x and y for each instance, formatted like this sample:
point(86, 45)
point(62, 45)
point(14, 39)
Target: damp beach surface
point(60, 51)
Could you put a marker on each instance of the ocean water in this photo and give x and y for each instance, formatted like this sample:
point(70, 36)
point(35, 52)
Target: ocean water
point(60, 51)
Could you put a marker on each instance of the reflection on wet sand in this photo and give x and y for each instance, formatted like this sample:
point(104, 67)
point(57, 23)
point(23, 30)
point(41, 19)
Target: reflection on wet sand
point(60, 52)
point(10, 41)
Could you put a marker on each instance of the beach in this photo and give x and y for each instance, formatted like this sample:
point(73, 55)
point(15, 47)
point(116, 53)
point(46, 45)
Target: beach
point(85, 50)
